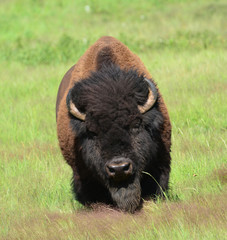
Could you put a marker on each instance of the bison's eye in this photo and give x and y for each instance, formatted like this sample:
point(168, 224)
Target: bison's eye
point(91, 126)
point(91, 131)
point(135, 125)
point(91, 134)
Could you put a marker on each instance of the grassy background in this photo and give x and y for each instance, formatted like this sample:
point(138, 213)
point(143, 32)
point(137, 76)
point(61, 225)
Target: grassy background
point(184, 45)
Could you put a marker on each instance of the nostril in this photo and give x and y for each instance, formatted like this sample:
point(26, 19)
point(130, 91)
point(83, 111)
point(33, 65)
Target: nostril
point(110, 169)
point(126, 167)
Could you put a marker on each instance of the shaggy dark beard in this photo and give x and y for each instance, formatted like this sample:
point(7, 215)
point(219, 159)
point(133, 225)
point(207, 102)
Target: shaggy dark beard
point(127, 197)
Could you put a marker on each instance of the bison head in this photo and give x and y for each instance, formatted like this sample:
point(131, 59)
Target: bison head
point(115, 116)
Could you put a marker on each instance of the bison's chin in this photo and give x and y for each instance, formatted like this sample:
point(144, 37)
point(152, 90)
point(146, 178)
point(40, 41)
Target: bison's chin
point(127, 196)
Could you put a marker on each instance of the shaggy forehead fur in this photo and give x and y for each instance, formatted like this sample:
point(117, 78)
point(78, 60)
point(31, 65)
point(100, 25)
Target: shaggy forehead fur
point(110, 98)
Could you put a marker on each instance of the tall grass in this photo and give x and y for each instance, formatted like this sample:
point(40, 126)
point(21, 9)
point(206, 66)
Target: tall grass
point(183, 44)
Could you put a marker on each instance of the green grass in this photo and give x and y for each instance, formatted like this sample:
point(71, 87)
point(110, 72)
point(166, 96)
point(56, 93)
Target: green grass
point(184, 46)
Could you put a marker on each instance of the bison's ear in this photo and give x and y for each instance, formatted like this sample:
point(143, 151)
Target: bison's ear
point(152, 97)
point(72, 107)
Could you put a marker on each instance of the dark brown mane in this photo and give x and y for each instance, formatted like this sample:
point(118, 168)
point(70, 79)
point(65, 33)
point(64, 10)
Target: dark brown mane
point(111, 96)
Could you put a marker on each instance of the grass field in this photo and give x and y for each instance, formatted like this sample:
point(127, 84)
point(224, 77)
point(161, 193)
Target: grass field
point(183, 44)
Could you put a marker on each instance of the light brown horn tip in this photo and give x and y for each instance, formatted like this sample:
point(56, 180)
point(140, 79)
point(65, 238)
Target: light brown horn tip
point(75, 112)
point(151, 99)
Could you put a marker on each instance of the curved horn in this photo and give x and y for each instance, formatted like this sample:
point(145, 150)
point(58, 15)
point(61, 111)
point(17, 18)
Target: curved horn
point(73, 109)
point(151, 99)
point(75, 112)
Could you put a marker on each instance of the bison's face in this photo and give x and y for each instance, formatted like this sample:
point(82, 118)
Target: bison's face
point(116, 122)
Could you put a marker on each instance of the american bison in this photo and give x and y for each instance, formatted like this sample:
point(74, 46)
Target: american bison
point(113, 128)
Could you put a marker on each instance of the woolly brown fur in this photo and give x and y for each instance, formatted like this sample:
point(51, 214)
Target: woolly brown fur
point(105, 51)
